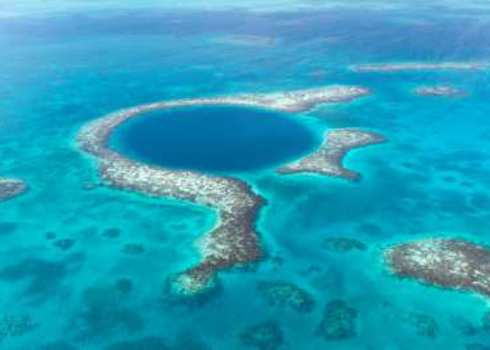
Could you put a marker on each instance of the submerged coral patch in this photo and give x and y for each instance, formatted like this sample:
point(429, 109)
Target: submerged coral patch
point(111, 232)
point(7, 228)
point(343, 244)
point(339, 321)
point(59, 345)
point(10, 188)
point(476, 346)
point(15, 326)
point(42, 278)
point(263, 336)
point(425, 325)
point(146, 343)
point(285, 294)
point(124, 285)
point(133, 249)
point(64, 244)
point(105, 311)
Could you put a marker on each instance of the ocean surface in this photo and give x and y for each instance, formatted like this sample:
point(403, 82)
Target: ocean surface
point(85, 266)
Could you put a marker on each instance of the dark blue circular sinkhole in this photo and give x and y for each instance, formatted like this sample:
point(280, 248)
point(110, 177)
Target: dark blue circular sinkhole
point(214, 138)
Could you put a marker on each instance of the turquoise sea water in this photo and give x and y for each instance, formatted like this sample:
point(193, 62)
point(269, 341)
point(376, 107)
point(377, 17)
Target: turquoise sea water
point(215, 139)
point(60, 70)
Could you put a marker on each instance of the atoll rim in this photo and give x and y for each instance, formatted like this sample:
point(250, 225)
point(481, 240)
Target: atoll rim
point(234, 240)
point(244, 175)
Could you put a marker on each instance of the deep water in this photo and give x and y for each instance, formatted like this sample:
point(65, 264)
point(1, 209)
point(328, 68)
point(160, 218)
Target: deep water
point(85, 266)
point(214, 139)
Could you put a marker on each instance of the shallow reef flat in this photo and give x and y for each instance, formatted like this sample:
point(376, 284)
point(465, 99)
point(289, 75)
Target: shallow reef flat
point(438, 90)
point(233, 241)
point(344, 244)
point(419, 66)
point(266, 335)
point(10, 188)
point(327, 160)
point(286, 294)
point(339, 321)
point(448, 263)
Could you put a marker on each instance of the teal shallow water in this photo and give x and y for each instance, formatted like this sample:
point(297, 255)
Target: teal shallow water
point(432, 177)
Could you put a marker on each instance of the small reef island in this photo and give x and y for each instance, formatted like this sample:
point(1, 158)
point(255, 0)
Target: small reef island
point(414, 66)
point(327, 160)
point(448, 263)
point(233, 241)
point(10, 188)
point(438, 90)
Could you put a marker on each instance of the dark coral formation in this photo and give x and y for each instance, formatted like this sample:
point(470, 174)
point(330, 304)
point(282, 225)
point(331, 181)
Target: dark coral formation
point(343, 244)
point(327, 160)
point(476, 346)
point(425, 325)
point(41, 278)
point(124, 285)
point(58, 345)
point(64, 244)
point(233, 241)
point(50, 235)
point(133, 249)
point(464, 326)
point(111, 232)
point(7, 228)
point(339, 321)
point(186, 341)
point(105, 311)
point(10, 188)
point(15, 326)
point(263, 336)
point(280, 293)
point(190, 341)
point(438, 90)
point(146, 343)
point(449, 263)
point(485, 321)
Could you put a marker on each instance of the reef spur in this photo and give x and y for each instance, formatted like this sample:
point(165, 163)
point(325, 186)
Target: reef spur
point(233, 241)
point(438, 90)
point(327, 160)
point(448, 263)
point(10, 188)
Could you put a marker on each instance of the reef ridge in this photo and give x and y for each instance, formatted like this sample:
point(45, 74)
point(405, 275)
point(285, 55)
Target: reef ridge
point(448, 263)
point(438, 90)
point(327, 160)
